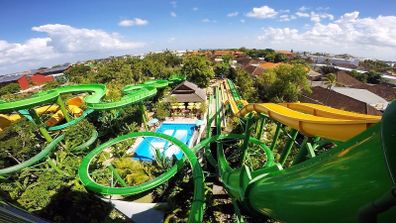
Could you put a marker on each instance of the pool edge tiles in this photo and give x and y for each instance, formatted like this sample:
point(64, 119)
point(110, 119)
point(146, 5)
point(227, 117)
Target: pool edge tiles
point(181, 131)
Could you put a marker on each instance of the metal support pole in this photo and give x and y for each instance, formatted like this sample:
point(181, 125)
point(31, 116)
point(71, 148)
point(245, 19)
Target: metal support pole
point(262, 123)
point(288, 146)
point(302, 153)
point(38, 122)
point(208, 153)
point(276, 136)
point(247, 137)
point(144, 118)
point(117, 176)
point(62, 106)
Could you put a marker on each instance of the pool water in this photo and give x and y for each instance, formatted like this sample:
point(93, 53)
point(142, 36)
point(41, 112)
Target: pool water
point(145, 151)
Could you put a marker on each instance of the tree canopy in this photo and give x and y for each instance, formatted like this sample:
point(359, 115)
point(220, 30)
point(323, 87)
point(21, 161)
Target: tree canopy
point(198, 69)
point(284, 83)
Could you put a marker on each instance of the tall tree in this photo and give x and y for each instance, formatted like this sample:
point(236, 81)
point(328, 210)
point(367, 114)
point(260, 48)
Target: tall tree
point(284, 83)
point(198, 69)
point(330, 80)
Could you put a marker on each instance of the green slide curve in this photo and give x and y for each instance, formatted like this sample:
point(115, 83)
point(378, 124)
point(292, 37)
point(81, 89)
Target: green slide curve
point(340, 181)
point(132, 94)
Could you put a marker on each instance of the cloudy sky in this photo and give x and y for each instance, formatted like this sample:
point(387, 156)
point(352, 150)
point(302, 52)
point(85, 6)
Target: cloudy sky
point(44, 33)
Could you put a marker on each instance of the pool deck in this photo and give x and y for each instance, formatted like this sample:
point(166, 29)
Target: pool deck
point(195, 138)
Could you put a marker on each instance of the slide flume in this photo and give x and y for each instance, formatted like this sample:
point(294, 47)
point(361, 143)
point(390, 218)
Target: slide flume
point(333, 187)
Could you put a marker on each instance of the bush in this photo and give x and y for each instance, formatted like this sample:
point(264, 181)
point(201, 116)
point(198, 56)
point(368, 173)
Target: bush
point(19, 142)
point(10, 88)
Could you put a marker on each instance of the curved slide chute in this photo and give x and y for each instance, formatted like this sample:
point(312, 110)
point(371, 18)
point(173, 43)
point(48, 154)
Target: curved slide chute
point(198, 204)
point(133, 94)
point(310, 119)
point(336, 186)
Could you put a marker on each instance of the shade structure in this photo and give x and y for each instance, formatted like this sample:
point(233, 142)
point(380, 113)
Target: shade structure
point(199, 122)
point(152, 121)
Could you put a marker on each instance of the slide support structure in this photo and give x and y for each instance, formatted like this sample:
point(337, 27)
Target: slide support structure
point(37, 121)
point(288, 147)
point(62, 106)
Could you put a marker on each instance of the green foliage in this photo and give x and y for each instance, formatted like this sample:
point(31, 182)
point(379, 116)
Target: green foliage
point(246, 85)
point(198, 69)
point(134, 172)
point(328, 69)
point(330, 80)
point(10, 88)
point(78, 134)
point(19, 142)
point(368, 77)
point(227, 58)
point(162, 110)
point(50, 85)
point(77, 73)
point(284, 83)
point(222, 69)
point(280, 58)
point(375, 66)
point(256, 53)
point(111, 123)
point(373, 77)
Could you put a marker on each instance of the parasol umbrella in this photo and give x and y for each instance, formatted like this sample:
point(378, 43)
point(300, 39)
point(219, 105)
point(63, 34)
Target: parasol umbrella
point(152, 122)
point(199, 122)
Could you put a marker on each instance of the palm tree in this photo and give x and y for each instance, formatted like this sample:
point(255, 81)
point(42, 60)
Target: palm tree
point(330, 80)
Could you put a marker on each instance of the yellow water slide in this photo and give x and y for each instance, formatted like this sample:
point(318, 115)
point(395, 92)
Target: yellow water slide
point(334, 128)
point(73, 105)
point(310, 119)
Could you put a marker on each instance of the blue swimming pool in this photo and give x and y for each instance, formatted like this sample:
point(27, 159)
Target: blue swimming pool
point(146, 149)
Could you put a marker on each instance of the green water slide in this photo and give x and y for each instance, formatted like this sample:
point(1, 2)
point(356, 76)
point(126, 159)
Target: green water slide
point(198, 203)
point(132, 94)
point(349, 183)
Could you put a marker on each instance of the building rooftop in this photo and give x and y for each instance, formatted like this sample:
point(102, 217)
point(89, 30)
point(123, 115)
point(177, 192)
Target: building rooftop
point(188, 92)
point(269, 65)
point(364, 96)
point(6, 78)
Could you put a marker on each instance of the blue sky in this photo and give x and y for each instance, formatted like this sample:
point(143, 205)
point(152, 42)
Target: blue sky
point(43, 33)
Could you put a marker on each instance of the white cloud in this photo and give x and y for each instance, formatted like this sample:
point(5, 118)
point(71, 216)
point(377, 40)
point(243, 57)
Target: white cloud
point(133, 22)
point(284, 11)
point(286, 17)
point(303, 8)
point(13, 53)
point(61, 44)
point(242, 21)
point(262, 12)
point(66, 38)
point(173, 14)
point(206, 20)
point(232, 14)
point(316, 17)
point(195, 9)
point(374, 37)
point(302, 14)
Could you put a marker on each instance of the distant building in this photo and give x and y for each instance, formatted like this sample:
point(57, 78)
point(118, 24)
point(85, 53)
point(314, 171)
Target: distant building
point(342, 62)
point(254, 69)
point(363, 95)
point(9, 78)
point(286, 53)
point(36, 79)
point(187, 92)
point(314, 76)
point(383, 90)
point(338, 100)
point(41, 76)
point(269, 65)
